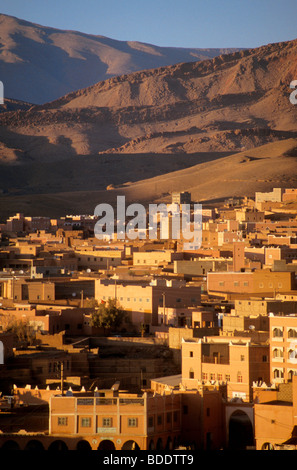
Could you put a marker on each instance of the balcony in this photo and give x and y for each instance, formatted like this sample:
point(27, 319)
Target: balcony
point(215, 360)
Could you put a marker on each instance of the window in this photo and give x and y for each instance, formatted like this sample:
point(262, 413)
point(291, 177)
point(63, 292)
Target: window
point(159, 420)
point(292, 354)
point(107, 422)
point(62, 421)
point(151, 422)
point(227, 378)
point(278, 353)
point(85, 422)
point(278, 373)
point(242, 357)
point(168, 418)
point(132, 422)
point(239, 377)
point(292, 333)
point(191, 374)
point(191, 353)
point(277, 332)
point(219, 377)
point(204, 376)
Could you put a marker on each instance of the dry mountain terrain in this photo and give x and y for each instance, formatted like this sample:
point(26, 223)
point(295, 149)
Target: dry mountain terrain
point(230, 103)
point(150, 123)
point(39, 63)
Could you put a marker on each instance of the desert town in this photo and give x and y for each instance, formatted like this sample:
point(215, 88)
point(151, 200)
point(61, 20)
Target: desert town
point(119, 345)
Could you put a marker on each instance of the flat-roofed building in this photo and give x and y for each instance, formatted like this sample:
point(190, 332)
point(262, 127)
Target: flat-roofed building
point(283, 347)
point(236, 361)
point(141, 300)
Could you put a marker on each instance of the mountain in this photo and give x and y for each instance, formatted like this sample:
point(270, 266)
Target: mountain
point(211, 181)
point(242, 174)
point(64, 154)
point(39, 63)
point(230, 103)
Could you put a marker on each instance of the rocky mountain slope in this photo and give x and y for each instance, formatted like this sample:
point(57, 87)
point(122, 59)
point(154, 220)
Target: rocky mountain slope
point(147, 124)
point(39, 63)
point(230, 103)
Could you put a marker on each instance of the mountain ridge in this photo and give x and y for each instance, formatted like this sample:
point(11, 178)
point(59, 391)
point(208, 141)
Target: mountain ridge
point(148, 123)
point(41, 63)
point(228, 103)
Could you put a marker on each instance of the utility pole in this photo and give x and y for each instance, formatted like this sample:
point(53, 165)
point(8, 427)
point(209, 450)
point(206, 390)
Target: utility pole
point(62, 377)
point(60, 368)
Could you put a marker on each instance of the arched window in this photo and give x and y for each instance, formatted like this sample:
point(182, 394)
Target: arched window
point(277, 333)
point(292, 353)
point(277, 352)
point(291, 372)
point(292, 333)
point(278, 373)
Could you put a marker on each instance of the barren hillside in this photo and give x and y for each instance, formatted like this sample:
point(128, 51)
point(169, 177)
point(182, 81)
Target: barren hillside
point(39, 63)
point(230, 103)
point(148, 124)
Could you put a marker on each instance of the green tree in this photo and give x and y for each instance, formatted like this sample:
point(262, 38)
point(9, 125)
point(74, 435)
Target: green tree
point(108, 315)
point(22, 330)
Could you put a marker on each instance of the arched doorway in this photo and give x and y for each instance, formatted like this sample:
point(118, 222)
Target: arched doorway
point(130, 445)
point(241, 433)
point(57, 445)
point(267, 446)
point(159, 444)
point(106, 444)
point(83, 446)
point(169, 444)
point(34, 444)
point(10, 445)
point(151, 445)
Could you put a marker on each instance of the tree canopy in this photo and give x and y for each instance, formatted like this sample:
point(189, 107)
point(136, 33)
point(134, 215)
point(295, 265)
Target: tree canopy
point(108, 315)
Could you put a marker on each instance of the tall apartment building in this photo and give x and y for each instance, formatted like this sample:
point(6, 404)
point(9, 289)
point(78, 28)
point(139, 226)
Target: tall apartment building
point(237, 361)
point(283, 347)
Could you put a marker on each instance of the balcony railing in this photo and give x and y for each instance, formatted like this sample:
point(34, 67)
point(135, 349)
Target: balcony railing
point(215, 360)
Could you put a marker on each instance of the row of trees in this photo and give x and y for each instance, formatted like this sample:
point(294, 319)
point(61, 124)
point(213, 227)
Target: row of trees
point(108, 315)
